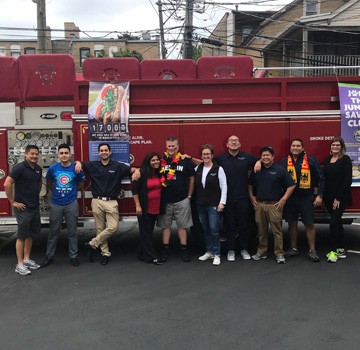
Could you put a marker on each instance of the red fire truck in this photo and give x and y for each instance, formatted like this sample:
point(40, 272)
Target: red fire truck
point(43, 101)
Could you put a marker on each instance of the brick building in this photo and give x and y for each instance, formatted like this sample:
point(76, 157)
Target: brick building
point(80, 48)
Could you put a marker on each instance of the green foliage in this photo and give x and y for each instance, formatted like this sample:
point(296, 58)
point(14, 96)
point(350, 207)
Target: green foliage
point(196, 52)
point(128, 37)
point(109, 102)
point(101, 53)
point(128, 53)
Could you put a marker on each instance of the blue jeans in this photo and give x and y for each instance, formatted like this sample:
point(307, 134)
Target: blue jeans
point(57, 212)
point(210, 222)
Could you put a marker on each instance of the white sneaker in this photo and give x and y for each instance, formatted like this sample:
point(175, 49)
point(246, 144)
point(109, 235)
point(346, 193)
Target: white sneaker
point(217, 260)
point(22, 270)
point(280, 259)
point(245, 254)
point(31, 264)
point(231, 255)
point(206, 256)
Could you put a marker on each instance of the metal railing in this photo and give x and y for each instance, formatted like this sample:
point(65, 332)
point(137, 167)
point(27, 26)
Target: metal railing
point(333, 61)
point(319, 66)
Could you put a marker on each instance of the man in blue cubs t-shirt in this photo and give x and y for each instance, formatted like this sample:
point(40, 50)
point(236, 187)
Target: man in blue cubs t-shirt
point(64, 183)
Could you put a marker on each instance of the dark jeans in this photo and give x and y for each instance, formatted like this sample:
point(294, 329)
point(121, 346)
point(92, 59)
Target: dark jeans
point(236, 221)
point(146, 228)
point(336, 226)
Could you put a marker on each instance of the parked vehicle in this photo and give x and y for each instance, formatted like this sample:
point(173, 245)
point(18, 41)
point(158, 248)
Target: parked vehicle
point(43, 101)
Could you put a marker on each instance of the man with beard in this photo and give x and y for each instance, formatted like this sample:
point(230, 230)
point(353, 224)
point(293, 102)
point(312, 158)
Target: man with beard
point(307, 173)
point(105, 176)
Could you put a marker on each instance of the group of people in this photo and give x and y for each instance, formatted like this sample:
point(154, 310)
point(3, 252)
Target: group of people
point(224, 189)
point(163, 188)
point(65, 179)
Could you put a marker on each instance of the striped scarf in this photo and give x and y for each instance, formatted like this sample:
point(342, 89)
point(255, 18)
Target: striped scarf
point(305, 178)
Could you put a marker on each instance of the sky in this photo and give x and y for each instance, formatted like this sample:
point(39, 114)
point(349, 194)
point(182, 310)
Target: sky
point(108, 18)
point(106, 15)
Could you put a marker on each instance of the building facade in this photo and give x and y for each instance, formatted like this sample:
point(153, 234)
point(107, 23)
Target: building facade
point(81, 48)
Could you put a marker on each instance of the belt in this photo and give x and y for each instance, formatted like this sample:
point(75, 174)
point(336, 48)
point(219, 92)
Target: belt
point(106, 198)
point(267, 202)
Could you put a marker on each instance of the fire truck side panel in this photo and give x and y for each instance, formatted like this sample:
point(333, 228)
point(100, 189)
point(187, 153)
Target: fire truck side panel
point(9, 82)
point(252, 134)
point(5, 208)
point(260, 111)
point(46, 77)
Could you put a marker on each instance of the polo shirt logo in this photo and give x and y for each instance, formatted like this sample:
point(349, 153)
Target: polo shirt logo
point(111, 171)
point(241, 158)
point(272, 172)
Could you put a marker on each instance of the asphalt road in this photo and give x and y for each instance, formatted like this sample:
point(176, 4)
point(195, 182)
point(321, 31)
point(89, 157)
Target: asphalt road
point(133, 305)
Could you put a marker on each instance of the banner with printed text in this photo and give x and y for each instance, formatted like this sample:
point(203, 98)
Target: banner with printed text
point(350, 125)
point(108, 115)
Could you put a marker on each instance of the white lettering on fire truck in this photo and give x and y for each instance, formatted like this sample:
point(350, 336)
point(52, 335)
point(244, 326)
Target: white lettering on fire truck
point(321, 138)
point(139, 140)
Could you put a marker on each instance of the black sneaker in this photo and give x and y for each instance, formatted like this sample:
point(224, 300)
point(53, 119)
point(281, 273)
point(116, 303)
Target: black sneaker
point(185, 255)
point(165, 255)
point(156, 261)
point(313, 255)
point(291, 252)
point(46, 262)
point(105, 260)
point(74, 262)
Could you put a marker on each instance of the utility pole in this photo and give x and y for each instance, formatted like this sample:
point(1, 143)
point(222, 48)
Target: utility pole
point(162, 37)
point(188, 30)
point(41, 25)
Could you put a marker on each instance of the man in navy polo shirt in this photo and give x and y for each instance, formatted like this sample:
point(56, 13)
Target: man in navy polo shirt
point(64, 183)
point(236, 165)
point(27, 179)
point(273, 187)
point(105, 176)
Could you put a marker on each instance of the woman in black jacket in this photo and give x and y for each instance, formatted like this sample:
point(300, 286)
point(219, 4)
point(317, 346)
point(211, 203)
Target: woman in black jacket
point(147, 197)
point(337, 195)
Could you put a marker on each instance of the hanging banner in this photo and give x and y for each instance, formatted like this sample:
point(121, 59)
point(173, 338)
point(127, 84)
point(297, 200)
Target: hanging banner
point(350, 125)
point(108, 115)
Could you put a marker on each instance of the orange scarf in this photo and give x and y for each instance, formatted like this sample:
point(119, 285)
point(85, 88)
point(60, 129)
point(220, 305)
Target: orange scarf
point(305, 178)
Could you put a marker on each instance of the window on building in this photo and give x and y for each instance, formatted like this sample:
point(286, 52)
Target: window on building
point(311, 7)
point(14, 50)
point(99, 51)
point(246, 30)
point(29, 50)
point(84, 54)
point(112, 49)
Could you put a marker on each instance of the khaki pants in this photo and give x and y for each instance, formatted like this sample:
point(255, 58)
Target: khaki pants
point(106, 216)
point(266, 214)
